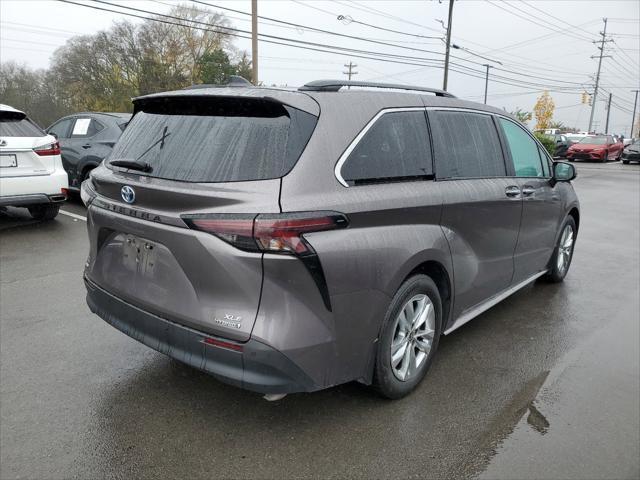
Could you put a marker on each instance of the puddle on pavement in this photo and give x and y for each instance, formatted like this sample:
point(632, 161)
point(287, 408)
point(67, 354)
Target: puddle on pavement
point(537, 420)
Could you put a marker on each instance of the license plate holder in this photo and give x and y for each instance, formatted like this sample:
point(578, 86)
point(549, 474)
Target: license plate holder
point(8, 160)
point(139, 255)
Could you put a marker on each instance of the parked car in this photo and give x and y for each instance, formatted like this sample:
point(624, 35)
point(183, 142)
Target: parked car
point(562, 143)
point(599, 147)
point(631, 152)
point(288, 241)
point(31, 173)
point(86, 139)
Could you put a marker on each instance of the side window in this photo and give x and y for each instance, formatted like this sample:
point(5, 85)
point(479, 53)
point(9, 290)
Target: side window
point(396, 147)
point(546, 169)
point(524, 150)
point(85, 127)
point(61, 129)
point(466, 145)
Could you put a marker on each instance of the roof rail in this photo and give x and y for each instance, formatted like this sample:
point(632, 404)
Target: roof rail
point(234, 81)
point(336, 85)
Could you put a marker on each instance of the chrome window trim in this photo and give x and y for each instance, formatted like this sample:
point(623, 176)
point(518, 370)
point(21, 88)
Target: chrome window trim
point(337, 171)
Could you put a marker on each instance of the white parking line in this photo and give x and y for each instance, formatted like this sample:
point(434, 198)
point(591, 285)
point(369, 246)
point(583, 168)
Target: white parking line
point(74, 215)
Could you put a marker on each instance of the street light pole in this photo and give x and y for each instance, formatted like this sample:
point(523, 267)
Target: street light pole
point(446, 56)
point(254, 42)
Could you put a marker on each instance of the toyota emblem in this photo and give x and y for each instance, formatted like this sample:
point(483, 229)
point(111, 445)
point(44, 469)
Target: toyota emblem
point(128, 194)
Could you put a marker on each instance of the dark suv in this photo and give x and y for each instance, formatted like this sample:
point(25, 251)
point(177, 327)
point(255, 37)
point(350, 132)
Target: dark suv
point(85, 140)
point(288, 241)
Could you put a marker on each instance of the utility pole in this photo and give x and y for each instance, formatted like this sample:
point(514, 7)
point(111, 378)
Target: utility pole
point(446, 56)
point(486, 82)
point(601, 56)
point(633, 118)
point(254, 41)
point(349, 73)
point(606, 125)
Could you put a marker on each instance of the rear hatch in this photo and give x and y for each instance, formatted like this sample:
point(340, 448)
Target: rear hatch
point(181, 158)
point(25, 150)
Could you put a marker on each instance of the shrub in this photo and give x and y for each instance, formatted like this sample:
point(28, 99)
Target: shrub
point(547, 142)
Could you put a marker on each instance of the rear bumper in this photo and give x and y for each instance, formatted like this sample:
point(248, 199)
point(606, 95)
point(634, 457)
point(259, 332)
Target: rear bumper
point(31, 199)
point(257, 367)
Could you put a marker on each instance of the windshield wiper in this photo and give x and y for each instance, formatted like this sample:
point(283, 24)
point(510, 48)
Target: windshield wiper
point(131, 164)
point(160, 141)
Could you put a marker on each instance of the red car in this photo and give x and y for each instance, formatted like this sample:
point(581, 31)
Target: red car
point(601, 148)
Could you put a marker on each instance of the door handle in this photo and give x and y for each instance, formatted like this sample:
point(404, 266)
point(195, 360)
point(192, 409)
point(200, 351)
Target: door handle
point(512, 191)
point(86, 145)
point(528, 190)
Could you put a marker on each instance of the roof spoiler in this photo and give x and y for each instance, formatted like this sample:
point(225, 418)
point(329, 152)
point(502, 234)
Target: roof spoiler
point(336, 85)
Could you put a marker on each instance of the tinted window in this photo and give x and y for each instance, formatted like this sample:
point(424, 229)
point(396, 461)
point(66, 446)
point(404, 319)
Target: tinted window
point(85, 127)
point(466, 145)
point(524, 150)
point(395, 147)
point(17, 125)
point(546, 169)
point(61, 129)
point(216, 140)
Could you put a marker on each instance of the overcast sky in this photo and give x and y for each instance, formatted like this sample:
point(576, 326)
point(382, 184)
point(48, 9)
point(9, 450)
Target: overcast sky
point(548, 43)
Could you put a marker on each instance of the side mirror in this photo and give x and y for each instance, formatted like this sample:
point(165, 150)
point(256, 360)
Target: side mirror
point(564, 172)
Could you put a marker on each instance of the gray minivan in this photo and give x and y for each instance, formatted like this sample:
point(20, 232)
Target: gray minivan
point(288, 241)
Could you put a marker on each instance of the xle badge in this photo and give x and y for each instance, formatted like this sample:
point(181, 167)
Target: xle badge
point(229, 321)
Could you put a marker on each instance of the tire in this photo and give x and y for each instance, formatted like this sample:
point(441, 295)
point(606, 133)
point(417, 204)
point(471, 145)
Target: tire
point(626, 162)
point(416, 292)
point(561, 258)
point(572, 159)
point(44, 212)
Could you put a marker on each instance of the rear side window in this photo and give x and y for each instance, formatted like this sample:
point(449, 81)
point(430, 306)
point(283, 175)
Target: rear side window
point(15, 124)
point(85, 127)
point(396, 147)
point(524, 150)
point(61, 128)
point(215, 140)
point(466, 145)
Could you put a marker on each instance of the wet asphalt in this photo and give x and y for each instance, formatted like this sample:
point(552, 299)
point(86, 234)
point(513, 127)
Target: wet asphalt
point(544, 385)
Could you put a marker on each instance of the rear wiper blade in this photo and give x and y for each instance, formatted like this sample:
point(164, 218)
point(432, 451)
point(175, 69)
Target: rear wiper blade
point(131, 164)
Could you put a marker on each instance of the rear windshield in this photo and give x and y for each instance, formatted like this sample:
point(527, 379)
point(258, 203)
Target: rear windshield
point(215, 140)
point(15, 124)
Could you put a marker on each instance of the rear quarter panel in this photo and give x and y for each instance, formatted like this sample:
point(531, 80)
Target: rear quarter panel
point(393, 228)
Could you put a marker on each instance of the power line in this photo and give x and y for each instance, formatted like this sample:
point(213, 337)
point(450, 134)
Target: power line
point(530, 18)
point(377, 56)
point(561, 20)
point(360, 38)
point(319, 30)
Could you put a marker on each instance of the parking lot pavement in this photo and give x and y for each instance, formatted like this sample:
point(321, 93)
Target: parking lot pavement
point(80, 399)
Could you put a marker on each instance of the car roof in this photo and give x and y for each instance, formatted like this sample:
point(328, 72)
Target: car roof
point(110, 114)
point(311, 100)
point(9, 108)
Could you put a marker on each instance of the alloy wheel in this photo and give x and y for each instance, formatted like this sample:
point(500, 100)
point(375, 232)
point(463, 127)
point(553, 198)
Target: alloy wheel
point(565, 249)
point(414, 331)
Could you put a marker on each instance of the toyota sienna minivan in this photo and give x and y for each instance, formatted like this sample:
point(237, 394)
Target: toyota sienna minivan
point(288, 241)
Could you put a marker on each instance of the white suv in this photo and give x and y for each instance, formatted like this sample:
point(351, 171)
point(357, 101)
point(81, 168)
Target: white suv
point(31, 172)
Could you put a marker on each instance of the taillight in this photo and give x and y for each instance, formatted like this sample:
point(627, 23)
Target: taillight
point(274, 233)
point(48, 149)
